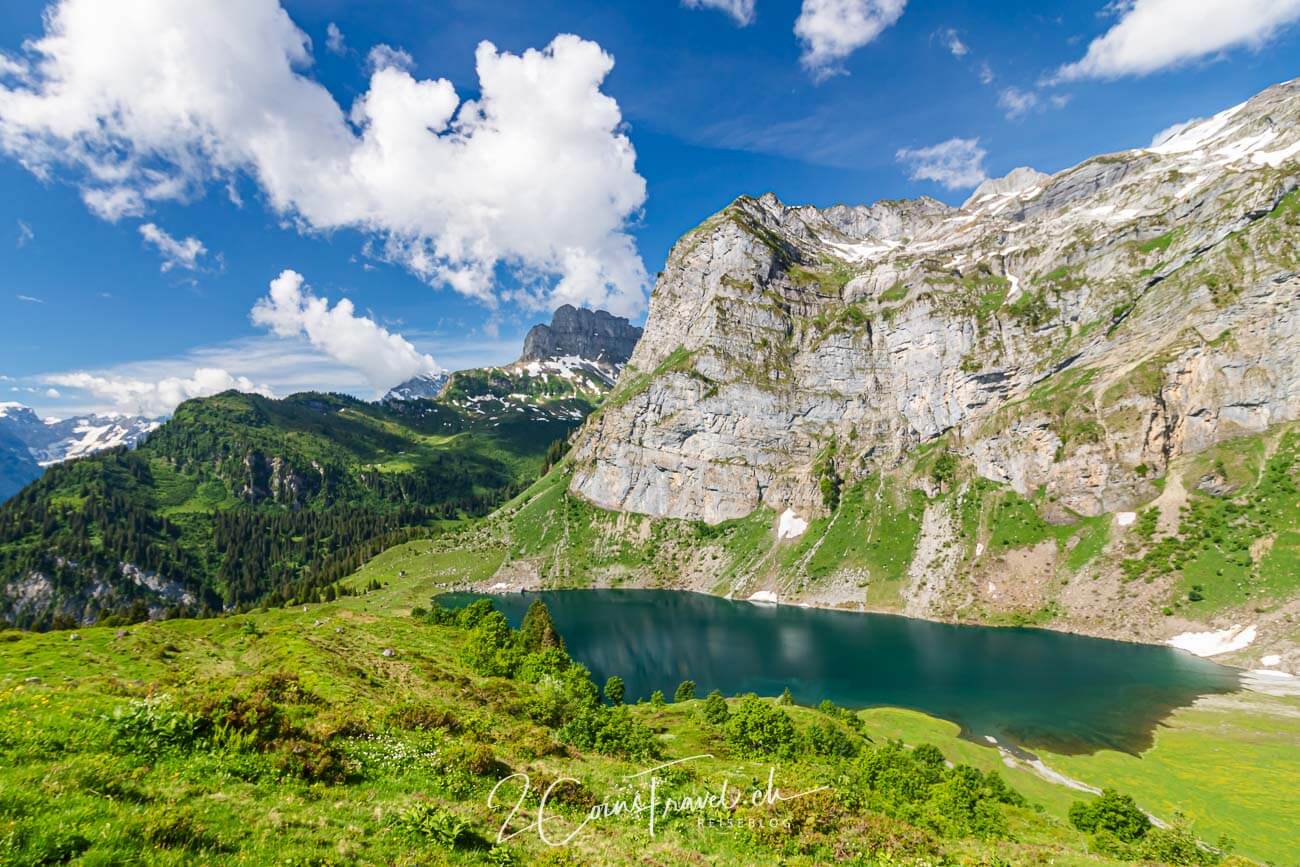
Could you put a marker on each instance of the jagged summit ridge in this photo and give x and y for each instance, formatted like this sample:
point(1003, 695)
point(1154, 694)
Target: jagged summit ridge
point(594, 335)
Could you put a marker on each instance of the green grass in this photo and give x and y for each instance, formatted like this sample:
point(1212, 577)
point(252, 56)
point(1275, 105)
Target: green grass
point(404, 725)
point(1092, 539)
point(1161, 243)
point(874, 530)
point(1214, 551)
point(72, 787)
point(1232, 768)
point(894, 293)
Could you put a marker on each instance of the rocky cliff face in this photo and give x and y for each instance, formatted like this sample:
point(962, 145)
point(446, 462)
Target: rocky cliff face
point(1070, 334)
point(593, 335)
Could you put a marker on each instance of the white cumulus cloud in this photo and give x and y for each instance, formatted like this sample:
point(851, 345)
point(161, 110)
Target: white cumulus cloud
point(138, 102)
point(176, 253)
point(155, 397)
point(831, 30)
point(740, 10)
point(957, 163)
point(382, 357)
point(1151, 35)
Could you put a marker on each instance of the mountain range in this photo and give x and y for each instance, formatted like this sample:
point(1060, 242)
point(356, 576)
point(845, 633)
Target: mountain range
point(1071, 401)
point(29, 443)
point(239, 499)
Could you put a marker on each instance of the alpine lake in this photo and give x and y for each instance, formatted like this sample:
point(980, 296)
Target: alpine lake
point(1022, 687)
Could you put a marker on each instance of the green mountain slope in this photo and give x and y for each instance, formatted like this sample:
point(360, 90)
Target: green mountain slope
point(358, 732)
point(240, 499)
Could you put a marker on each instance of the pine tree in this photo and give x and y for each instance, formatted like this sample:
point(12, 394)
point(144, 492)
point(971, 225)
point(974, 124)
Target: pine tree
point(538, 631)
point(614, 690)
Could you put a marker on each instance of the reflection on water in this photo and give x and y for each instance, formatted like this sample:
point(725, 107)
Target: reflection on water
point(1030, 687)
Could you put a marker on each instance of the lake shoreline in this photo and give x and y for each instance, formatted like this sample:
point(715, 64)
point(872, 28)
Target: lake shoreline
point(496, 588)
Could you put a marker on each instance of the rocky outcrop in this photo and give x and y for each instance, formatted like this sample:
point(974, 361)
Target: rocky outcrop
point(581, 333)
point(1069, 334)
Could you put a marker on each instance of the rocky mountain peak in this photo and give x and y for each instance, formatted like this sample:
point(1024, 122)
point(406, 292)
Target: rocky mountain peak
point(594, 335)
point(1017, 181)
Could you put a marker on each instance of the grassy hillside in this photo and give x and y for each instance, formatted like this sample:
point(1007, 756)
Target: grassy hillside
point(239, 500)
point(353, 732)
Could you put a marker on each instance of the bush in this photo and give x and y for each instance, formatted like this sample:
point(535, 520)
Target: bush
point(614, 690)
point(1113, 813)
point(176, 827)
point(715, 709)
point(685, 691)
point(561, 697)
point(1175, 845)
point(491, 649)
point(828, 739)
point(756, 726)
point(657, 698)
point(918, 786)
point(843, 714)
point(154, 726)
point(423, 717)
point(611, 731)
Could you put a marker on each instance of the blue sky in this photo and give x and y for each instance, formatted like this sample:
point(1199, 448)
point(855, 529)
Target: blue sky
point(111, 309)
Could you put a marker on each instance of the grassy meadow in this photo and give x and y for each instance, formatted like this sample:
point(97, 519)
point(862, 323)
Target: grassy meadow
point(354, 732)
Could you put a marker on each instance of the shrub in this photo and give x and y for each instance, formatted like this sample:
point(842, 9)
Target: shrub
point(561, 697)
point(685, 691)
point(715, 708)
point(1175, 845)
point(1113, 813)
point(828, 739)
point(611, 731)
point(423, 717)
point(491, 649)
point(154, 726)
point(756, 726)
point(614, 690)
point(657, 698)
point(311, 761)
point(175, 827)
point(843, 714)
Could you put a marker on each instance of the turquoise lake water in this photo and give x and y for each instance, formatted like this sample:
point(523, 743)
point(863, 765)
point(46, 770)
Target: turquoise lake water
point(1027, 687)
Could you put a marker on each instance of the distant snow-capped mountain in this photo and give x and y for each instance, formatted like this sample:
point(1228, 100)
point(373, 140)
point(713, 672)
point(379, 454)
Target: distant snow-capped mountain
point(423, 387)
point(29, 443)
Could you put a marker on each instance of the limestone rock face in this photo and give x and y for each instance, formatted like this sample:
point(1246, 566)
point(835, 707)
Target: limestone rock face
point(1070, 333)
point(594, 335)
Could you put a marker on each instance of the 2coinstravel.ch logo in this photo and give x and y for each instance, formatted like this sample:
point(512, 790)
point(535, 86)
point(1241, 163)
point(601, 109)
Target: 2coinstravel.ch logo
point(712, 807)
